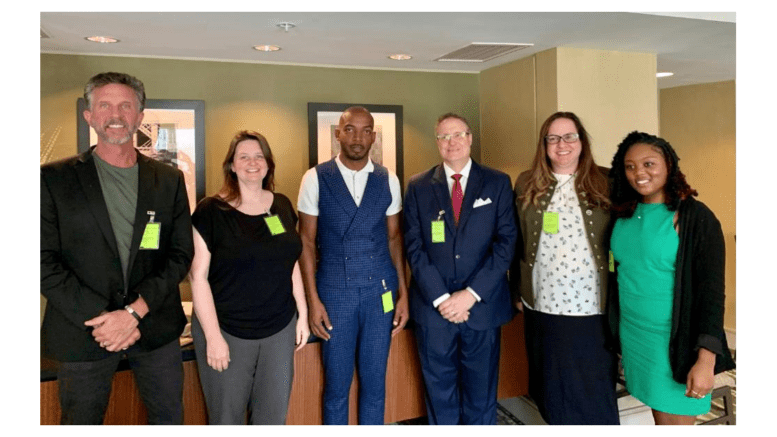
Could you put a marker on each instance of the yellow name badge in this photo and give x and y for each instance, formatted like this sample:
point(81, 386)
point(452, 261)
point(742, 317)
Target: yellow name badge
point(388, 303)
point(438, 231)
point(150, 240)
point(612, 263)
point(274, 224)
point(550, 222)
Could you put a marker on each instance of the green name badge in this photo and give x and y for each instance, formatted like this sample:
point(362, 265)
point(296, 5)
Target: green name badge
point(550, 222)
point(438, 231)
point(388, 303)
point(150, 240)
point(612, 263)
point(274, 224)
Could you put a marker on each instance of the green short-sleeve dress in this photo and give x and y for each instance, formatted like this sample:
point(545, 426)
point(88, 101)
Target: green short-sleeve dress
point(645, 246)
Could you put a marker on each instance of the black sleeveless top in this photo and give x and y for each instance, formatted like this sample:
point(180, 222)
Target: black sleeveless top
point(250, 269)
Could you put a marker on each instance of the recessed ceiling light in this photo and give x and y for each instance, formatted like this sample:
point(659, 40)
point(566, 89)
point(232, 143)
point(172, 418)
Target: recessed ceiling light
point(400, 57)
point(664, 74)
point(101, 39)
point(267, 48)
point(286, 25)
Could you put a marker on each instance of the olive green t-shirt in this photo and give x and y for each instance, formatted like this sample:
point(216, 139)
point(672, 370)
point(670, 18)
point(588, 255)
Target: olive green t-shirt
point(120, 191)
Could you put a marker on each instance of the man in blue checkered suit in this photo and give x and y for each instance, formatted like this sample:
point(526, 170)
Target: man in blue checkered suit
point(357, 298)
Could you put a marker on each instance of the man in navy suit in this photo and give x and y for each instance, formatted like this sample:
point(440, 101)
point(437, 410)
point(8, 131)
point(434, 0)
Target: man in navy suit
point(115, 241)
point(460, 236)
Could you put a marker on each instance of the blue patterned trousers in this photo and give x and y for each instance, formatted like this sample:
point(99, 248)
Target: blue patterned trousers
point(360, 335)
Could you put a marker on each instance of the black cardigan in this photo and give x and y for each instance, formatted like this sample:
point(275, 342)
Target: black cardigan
point(699, 297)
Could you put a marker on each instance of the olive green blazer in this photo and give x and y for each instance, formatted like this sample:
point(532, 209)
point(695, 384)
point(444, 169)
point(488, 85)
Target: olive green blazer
point(598, 227)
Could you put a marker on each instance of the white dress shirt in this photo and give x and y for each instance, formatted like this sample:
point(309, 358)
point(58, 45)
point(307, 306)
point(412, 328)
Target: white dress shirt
point(462, 180)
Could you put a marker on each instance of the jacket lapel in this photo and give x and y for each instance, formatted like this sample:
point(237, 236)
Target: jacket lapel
point(443, 196)
point(339, 189)
point(90, 184)
point(146, 193)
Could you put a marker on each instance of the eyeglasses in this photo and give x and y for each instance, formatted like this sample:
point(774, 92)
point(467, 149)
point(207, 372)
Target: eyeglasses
point(449, 137)
point(568, 138)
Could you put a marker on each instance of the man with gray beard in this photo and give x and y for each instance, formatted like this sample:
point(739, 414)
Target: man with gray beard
point(116, 240)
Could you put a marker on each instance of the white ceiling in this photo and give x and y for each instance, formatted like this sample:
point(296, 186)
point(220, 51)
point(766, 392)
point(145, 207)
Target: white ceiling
point(699, 49)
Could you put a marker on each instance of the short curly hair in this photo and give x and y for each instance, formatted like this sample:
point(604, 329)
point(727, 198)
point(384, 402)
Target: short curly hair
point(625, 198)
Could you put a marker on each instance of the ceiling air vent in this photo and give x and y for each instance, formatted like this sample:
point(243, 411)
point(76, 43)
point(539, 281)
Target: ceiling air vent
point(44, 34)
point(481, 52)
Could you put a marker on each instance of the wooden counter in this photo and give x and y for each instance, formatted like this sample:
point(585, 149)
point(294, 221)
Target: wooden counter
point(404, 385)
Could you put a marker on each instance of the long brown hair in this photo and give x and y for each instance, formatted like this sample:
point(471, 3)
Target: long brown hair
point(589, 178)
point(230, 191)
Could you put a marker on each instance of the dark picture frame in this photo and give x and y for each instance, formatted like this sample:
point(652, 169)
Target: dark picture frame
point(172, 132)
point(387, 150)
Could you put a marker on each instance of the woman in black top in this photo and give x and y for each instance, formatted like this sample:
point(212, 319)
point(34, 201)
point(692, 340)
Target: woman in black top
point(247, 291)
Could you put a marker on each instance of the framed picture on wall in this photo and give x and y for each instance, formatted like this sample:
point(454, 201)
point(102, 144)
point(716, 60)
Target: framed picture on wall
point(172, 132)
point(323, 118)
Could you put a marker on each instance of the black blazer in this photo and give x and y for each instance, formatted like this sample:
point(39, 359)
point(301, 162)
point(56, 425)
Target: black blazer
point(80, 269)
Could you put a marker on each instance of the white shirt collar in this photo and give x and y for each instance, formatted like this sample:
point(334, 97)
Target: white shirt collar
point(464, 171)
point(367, 168)
point(562, 177)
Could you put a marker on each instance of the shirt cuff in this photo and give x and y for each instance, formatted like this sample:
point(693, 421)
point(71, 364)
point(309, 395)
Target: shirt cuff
point(440, 299)
point(473, 293)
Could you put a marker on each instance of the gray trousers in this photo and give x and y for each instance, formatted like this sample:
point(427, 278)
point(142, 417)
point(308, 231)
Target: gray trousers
point(258, 379)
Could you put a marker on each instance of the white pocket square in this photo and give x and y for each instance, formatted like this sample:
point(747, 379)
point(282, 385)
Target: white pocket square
point(481, 202)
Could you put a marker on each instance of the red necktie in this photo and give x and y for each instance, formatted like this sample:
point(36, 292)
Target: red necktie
point(457, 196)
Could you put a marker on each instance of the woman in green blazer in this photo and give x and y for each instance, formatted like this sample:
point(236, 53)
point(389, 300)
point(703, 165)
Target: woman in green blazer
point(559, 277)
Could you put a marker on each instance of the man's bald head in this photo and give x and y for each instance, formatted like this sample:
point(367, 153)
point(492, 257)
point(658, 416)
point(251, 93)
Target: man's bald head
point(353, 110)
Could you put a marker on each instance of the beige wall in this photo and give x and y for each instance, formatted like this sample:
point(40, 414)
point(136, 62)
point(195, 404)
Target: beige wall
point(613, 93)
point(700, 123)
point(546, 82)
point(507, 110)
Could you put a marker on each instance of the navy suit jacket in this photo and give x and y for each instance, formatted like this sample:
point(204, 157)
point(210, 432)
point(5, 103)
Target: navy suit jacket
point(477, 253)
point(80, 269)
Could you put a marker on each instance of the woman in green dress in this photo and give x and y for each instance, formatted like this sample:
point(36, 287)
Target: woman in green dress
point(667, 306)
